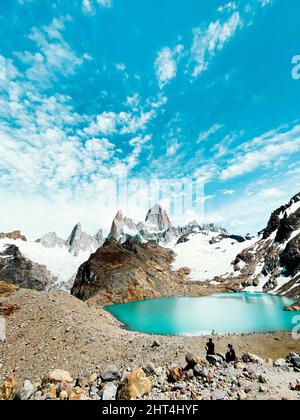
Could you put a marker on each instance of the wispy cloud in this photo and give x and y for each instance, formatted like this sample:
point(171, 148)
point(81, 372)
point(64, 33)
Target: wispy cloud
point(206, 134)
point(89, 6)
point(53, 57)
point(263, 152)
point(208, 41)
point(166, 64)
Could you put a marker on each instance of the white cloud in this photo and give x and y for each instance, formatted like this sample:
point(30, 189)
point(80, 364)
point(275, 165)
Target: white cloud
point(229, 7)
point(121, 66)
point(206, 134)
point(265, 3)
point(208, 42)
point(88, 6)
point(166, 64)
point(173, 148)
point(54, 55)
point(263, 152)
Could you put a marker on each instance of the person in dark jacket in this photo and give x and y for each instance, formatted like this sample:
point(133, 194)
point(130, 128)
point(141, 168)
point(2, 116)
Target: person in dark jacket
point(230, 355)
point(210, 348)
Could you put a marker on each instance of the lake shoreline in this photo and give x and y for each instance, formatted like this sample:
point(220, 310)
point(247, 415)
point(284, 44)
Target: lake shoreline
point(55, 330)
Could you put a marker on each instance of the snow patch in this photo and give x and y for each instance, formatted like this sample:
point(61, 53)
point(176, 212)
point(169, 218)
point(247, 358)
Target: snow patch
point(206, 260)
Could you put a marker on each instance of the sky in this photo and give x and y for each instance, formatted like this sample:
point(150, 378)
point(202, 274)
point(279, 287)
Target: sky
point(95, 90)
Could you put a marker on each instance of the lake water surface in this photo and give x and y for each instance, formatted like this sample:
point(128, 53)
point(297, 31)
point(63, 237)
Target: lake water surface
point(224, 313)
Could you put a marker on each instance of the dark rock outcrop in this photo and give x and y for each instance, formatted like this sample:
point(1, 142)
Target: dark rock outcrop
point(131, 271)
point(276, 254)
point(20, 271)
point(278, 216)
point(290, 258)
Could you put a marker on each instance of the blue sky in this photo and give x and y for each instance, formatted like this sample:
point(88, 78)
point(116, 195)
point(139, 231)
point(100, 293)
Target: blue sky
point(165, 89)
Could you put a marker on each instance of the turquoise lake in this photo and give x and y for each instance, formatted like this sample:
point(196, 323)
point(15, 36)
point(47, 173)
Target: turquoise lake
point(224, 313)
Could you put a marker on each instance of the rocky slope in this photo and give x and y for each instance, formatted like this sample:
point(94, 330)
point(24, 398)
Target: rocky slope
point(251, 378)
point(131, 271)
point(20, 271)
point(272, 263)
point(53, 330)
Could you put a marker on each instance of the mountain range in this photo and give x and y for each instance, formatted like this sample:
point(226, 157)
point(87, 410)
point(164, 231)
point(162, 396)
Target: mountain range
point(156, 258)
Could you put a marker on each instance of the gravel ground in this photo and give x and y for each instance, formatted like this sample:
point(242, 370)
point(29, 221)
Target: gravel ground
point(56, 331)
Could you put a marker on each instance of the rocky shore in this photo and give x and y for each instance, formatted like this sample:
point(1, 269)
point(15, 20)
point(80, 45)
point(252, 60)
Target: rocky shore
point(53, 330)
point(250, 378)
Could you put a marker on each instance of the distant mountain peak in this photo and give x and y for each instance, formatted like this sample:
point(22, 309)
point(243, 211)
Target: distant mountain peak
point(15, 235)
point(158, 217)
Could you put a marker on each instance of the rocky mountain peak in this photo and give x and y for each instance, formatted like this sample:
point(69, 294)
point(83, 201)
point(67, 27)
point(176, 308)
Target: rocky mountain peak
point(99, 237)
point(117, 226)
point(273, 262)
point(158, 218)
point(51, 240)
point(14, 236)
point(280, 214)
point(79, 241)
point(22, 272)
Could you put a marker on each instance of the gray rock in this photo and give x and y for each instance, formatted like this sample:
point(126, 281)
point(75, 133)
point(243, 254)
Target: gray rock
point(149, 369)
point(280, 363)
point(94, 392)
point(179, 386)
point(27, 390)
point(191, 360)
point(109, 392)
point(201, 371)
point(262, 379)
point(219, 395)
point(111, 373)
point(295, 360)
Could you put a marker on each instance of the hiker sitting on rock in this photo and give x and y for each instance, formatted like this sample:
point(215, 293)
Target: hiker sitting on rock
point(230, 355)
point(210, 348)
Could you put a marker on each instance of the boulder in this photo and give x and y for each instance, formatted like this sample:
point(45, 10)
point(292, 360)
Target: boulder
point(136, 386)
point(26, 391)
point(192, 361)
point(295, 361)
point(8, 389)
point(202, 371)
point(111, 373)
point(149, 369)
point(58, 376)
point(252, 358)
point(109, 392)
point(175, 375)
point(280, 363)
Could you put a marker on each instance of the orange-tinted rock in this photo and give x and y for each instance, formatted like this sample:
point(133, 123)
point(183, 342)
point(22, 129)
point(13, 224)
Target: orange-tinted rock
point(137, 385)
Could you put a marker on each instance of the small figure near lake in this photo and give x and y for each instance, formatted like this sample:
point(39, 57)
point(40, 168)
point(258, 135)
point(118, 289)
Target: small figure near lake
point(210, 348)
point(230, 355)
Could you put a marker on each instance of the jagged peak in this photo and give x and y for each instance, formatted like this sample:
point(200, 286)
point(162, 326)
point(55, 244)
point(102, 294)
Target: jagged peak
point(158, 217)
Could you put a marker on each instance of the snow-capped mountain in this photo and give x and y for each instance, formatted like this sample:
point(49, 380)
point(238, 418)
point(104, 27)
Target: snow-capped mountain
point(208, 252)
point(77, 242)
point(272, 263)
point(157, 227)
point(61, 257)
point(269, 262)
